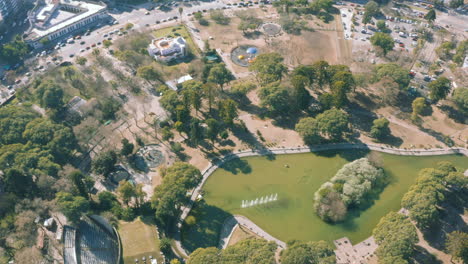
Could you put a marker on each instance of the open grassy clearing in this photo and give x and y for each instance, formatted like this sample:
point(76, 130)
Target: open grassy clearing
point(139, 238)
point(240, 233)
point(292, 216)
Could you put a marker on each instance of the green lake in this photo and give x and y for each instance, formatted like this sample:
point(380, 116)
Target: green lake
point(295, 178)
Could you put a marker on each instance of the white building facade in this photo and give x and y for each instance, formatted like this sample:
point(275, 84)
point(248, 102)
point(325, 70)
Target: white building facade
point(168, 49)
point(53, 19)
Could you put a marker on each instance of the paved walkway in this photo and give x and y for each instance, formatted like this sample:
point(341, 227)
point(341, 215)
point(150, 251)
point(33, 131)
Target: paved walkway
point(275, 151)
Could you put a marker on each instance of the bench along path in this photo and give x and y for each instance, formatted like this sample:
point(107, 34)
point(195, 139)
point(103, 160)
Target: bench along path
point(275, 151)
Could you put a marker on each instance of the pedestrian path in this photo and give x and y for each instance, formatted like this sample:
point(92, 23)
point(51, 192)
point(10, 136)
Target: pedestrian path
point(276, 151)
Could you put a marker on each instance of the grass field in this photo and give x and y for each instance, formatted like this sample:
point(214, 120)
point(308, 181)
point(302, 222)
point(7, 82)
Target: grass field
point(139, 238)
point(292, 215)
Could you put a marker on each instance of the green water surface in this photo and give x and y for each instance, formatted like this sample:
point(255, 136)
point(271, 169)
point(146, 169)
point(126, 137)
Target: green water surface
point(295, 178)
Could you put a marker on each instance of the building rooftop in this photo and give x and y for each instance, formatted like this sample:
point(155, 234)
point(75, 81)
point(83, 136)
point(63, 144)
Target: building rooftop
point(56, 14)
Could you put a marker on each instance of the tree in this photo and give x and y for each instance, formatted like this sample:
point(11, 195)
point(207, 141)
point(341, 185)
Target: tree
point(167, 134)
point(275, 98)
point(388, 91)
point(396, 237)
point(81, 60)
point(127, 147)
point(457, 245)
point(306, 71)
point(228, 111)
point(106, 43)
point(430, 16)
point(175, 261)
point(395, 72)
point(126, 191)
point(299, 252)
point(128, 26)
point(204, 255)
point(212, 130)
point(320, 69)
point(211, 92)
point(439, 89)
point(72, 206)
point(219, 17)
point(17, 182)
point(419, 105)
point(195, 134)
point(167, 197)
point(82, 183)
point(104, 162)
point(371, 9)
point(383, 41)
point(181, 11)
point(268, 67)
point(148, 73)
point(382, 26)
point(380, 128)
point(50, 95)
point(332, 123)
point(460, 97)
point(349, 187)
point(220, 75)
point(109, 106)
point(307, 128)
point(299, 95)
point(14, 50)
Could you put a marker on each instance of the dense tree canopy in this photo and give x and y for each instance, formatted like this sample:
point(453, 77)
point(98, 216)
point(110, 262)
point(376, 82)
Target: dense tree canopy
point(439, 89)
point(73, 207)
point(457, 245)
point(244, 252)
point(383, 41)
point(104, 162)
point(460, 97)
point(396, 237)
point(308, 253)
point(268, 67)
point(395, 72)
point(275, 98)
point(380, 128)
point(424, 197)
point(14, 50)
point(353, 184)
point(331, 124)
point(167, 197)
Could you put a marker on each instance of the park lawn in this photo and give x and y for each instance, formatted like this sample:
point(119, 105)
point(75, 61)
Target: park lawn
point(292, 215)
point(179, 29)
point(139, 238)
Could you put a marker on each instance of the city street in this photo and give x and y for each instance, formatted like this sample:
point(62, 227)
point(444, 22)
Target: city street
point(140, 21)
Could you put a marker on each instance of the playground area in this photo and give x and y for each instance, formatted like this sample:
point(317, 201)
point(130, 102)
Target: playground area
point(244, 55)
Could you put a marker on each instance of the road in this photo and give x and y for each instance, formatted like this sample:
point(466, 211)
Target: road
point(140, 21)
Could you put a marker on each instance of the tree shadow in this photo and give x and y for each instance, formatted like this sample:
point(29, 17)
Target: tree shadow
point(345, 154)
point(439, 136)
point(287, 121)
point(422, 256)
point(252, 34)
point(236, 165)
point(206, 231)
point(454, 114)
point(391, 140)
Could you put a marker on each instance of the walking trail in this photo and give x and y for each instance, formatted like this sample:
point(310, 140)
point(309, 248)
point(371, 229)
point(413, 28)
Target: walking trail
point(275, 151)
